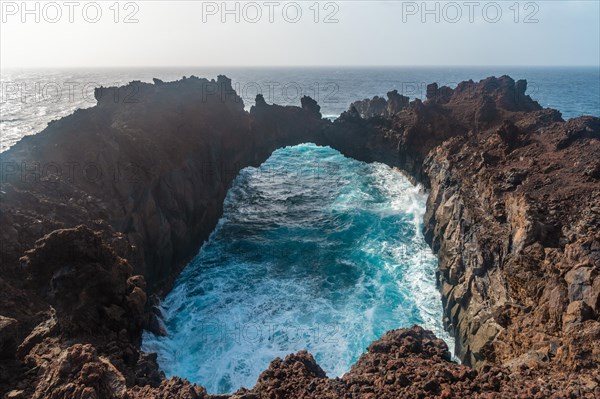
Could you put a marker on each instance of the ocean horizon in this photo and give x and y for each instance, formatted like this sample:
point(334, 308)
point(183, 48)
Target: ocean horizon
point(30, 98)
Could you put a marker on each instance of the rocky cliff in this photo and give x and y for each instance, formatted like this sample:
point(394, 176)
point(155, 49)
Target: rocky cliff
point(513, 213)
point(101, 210)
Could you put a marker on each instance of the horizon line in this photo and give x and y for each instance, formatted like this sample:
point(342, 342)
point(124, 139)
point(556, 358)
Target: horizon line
point(304, 66)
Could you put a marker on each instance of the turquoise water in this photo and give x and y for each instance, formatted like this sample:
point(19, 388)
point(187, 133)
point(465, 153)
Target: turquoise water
point(314, 251)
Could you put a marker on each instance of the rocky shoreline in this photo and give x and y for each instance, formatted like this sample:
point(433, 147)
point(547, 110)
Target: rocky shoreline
point(101, 210)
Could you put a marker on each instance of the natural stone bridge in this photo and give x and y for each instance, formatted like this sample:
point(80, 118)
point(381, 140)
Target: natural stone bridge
point(144, 175)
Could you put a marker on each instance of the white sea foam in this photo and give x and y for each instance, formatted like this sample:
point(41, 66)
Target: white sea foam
point(327, 264)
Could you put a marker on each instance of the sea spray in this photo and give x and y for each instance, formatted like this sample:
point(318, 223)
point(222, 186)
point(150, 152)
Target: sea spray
point(314, 251)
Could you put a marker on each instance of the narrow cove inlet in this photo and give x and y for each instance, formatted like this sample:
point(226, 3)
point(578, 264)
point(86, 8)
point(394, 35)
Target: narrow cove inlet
point(300, 200)
point(314, 251)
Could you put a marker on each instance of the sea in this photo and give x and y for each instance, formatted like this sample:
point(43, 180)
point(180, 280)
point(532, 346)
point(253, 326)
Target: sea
point(31, 98)
point(314, 250)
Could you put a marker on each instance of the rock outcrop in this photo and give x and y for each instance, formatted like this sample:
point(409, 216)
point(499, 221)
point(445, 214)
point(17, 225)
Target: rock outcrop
point(512, 213)
point(101, 210)
point(96, 224)
point(378, 106)
point(406, 363)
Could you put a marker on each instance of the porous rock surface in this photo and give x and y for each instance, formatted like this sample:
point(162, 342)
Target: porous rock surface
point(101, 210)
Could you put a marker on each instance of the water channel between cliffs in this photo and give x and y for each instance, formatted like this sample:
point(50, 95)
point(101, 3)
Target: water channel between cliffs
point(314, 251)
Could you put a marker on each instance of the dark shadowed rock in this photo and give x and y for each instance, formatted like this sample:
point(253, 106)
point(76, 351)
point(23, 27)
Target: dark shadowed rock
point(396, 102)
point(9, 329)
point(512, 214)
point(438, 94)
point(379, 106)
point(259, 101)
point(311, 106)
point(86, 282)
point(367, 108)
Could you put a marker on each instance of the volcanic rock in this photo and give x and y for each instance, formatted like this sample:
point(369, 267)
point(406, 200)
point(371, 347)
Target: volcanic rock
point(101, 210)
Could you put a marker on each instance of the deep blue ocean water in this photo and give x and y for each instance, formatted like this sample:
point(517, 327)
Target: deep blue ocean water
point(314, 251)
point(29, 99)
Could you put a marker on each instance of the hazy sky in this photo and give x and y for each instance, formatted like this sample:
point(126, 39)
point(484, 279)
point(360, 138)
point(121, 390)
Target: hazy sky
point(192, 33)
